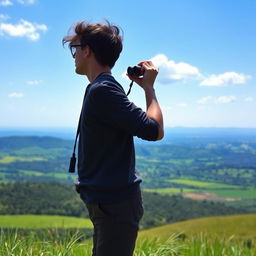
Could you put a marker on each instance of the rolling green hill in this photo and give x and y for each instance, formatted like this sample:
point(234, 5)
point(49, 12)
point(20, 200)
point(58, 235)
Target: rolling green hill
point(43, 221)
point(239, 226)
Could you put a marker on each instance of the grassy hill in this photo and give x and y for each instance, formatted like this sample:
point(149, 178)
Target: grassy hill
point(43, 221)
point(239, 226)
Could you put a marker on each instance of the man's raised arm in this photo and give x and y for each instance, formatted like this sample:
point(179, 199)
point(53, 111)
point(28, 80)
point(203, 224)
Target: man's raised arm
point(150, 72)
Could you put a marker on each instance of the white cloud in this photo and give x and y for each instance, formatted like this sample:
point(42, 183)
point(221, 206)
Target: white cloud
point(4, 17)
point(6, 3)
point(225, 79)
point(249, 99)
point(26, 1)
point(34, 82)
point(169, 71)
point(204, 100)
point(23, 29)
point(16, 95)
point(225, 99)
point(182, 105)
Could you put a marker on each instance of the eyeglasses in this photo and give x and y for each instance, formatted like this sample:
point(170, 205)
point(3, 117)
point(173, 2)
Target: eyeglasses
point(73, 49)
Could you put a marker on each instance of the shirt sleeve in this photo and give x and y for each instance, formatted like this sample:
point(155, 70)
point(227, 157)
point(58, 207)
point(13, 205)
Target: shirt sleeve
point(113, 107)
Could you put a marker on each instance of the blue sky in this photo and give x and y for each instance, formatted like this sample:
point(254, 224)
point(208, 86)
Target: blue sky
point(205, 51)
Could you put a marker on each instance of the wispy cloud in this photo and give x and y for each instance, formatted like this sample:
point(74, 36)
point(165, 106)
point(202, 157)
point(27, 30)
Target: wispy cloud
point(182, 105)
point(26, 1)
point(23, 2)
point(4, 16)
point(5, 3)
point(225, 79)
point(225, 99)
point(23, 29)
point(249, 99)
point(34, 82)
point(170, 71)
point(16, 95)
point(204, 100)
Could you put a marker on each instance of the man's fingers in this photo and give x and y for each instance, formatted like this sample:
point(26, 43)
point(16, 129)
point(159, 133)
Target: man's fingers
point(147, 65)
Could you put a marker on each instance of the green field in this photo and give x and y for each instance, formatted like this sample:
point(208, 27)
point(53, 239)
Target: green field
point(31, 173)
point(11, 159)
point(198, 187)
point(43, 221)
point(235, 193)
point(202, 184)
point(168, 190)
point(239, 226)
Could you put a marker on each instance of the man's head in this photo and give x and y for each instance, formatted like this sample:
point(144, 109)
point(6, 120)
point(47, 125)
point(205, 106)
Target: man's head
point(104, 40)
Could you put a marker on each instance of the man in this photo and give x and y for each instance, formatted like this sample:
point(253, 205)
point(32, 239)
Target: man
point(108, 182)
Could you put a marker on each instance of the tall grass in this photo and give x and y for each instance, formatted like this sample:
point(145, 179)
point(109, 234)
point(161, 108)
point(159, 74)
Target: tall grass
point(13, 244)
point(206, 246)
point(150, 247)
point(201, 245)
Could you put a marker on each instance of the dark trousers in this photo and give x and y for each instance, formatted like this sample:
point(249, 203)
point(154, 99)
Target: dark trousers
point(115, 227)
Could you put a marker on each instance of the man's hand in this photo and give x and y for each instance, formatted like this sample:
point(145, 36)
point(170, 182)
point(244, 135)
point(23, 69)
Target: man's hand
point(149, 72)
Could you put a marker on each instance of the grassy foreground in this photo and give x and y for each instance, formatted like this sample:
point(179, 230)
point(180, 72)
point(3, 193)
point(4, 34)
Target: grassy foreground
point(214, 236)
point(11, 244)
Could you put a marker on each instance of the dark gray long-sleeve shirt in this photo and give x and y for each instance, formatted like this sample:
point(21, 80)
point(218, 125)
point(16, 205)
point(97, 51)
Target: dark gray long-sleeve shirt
point(106, 155)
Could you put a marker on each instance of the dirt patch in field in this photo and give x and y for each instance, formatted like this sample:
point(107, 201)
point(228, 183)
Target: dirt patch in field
point(209, 196)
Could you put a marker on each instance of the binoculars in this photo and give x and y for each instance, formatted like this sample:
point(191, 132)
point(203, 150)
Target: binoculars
point(134, 71)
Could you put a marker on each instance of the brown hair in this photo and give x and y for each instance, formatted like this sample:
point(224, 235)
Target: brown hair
point(103, 39)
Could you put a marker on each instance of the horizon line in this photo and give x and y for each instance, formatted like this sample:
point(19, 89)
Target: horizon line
point(74, 128)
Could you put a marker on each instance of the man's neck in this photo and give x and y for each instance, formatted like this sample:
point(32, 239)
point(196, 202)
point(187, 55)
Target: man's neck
point(97, 71)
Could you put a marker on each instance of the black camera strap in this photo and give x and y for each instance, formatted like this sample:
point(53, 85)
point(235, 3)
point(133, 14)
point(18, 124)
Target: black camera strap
point(130, 87)
point(72, 163)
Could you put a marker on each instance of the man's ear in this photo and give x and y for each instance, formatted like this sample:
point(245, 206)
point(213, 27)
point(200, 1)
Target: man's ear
point(87, 51)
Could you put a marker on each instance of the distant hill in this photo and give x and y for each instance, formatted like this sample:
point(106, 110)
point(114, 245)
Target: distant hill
point(35, 159)
point(172, 134)
point(22, 142)
point(62, 133)
point(200, 157)
point(239, 226)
